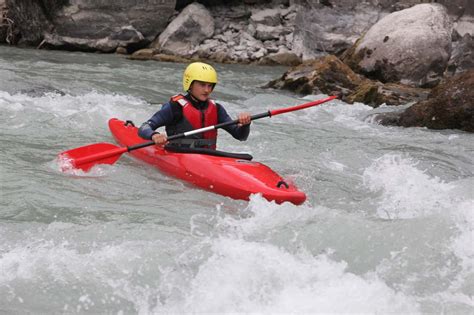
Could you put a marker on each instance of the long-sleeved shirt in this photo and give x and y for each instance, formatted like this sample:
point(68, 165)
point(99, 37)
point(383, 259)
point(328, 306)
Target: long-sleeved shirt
point(171, 112)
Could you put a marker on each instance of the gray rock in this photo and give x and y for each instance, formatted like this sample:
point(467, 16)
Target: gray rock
point(269, 17)
point(264, 32)
point(465, 25)
point(190, 28)
point(411, 46)
point(462, 57)
point(270, 46)
point(259, 54)
point(210, 44)
point(95, 19)
point(459, 7)
point(121, 37)
point(249, 41)
point(89, 25)
point(251, 29)
point(326, 30)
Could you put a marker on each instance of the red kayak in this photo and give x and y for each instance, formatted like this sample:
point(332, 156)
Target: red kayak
point(227, 174)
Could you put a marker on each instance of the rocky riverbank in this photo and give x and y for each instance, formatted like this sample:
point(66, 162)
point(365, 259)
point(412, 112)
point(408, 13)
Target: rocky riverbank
point(449, 106)
point(376, 52)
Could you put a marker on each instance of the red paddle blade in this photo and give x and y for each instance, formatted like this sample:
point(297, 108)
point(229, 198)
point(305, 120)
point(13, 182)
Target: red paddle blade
point(86, 157)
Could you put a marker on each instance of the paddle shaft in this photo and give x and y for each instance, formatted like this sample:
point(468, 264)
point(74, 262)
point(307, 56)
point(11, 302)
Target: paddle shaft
point(234, 122)
point(105, 153)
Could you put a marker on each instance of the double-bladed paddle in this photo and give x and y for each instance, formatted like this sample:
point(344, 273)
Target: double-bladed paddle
point(86, 157)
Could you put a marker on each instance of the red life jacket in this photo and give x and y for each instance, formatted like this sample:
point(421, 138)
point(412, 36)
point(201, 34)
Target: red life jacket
point(194, 118)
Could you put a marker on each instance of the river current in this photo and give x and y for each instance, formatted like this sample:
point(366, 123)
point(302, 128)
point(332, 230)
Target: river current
point(387, 228)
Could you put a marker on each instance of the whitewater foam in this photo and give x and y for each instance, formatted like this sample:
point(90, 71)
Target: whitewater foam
point(404, 190)
point(243, 276)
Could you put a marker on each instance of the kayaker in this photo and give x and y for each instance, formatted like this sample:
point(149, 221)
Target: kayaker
point(194, 110)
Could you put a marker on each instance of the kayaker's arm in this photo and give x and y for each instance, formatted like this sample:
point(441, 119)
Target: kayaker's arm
point(238, 132)
point(166, 115)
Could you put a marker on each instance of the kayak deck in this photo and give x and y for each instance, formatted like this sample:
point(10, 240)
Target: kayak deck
point(234, 177)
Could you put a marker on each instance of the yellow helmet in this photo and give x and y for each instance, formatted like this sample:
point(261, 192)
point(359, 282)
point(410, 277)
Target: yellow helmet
point(198, 71)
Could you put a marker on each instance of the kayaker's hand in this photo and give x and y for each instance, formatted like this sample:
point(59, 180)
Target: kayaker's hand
point(244, 119)
point(159, 139)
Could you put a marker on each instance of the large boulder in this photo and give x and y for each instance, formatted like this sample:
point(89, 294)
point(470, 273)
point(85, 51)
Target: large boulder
point(325, 29)
point(411, 46)
point(449, 106)
point(190, 28)
point(90, 25)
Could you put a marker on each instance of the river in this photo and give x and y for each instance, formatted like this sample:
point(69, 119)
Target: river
point(387, 228)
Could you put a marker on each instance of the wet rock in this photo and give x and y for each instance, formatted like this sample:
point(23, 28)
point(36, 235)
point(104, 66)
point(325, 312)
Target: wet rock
point(375, 93)
point(153, 54)
point(40, 91)
point(143, 54)
point(190, 28)
point(280, 58)
point(170, 58)
point(411, 46)
point(323, 75)
point(449, 106)
point(330, 75)
point(121, 51)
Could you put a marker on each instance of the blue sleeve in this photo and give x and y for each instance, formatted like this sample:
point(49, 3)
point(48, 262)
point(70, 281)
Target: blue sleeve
point(239, 133)
point(161, 118)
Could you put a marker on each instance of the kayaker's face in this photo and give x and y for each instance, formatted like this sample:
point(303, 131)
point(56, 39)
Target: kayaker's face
point(201, 90)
